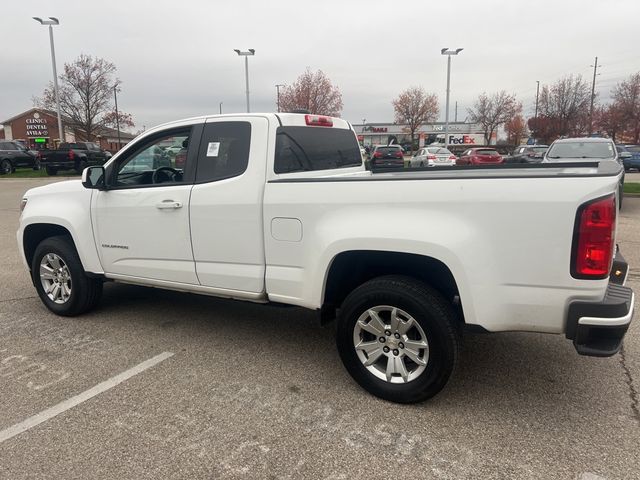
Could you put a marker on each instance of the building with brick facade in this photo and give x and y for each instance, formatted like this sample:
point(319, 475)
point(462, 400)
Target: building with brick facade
point(38, 128)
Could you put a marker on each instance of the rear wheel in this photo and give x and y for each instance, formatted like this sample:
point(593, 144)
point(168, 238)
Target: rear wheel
point(397, 338)
point(81, 166)
point(60, 279)
point(6, 167)
point(51, 170)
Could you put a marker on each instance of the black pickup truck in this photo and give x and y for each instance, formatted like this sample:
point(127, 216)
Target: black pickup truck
point(72, 156)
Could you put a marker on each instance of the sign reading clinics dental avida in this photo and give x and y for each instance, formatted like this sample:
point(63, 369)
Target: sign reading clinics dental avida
point(37, 126)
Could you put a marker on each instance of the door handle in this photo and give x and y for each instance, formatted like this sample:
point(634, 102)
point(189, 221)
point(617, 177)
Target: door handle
point(168, 204)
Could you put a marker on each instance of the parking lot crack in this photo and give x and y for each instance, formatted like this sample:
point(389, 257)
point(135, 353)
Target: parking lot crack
point(16, 299)
point(633, 393)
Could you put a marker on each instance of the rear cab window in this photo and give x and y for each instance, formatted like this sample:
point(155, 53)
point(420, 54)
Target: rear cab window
point(304, 149)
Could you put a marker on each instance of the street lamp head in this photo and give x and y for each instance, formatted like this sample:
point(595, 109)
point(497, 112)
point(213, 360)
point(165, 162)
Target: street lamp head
point(446, 51)
point(51, 21)
point(245, 54)
point(253, 52)
point(237, 51)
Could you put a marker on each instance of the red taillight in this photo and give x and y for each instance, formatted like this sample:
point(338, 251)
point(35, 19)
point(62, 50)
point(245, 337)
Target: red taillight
point(377, 155)
point(399, 155)
point(593, 241)
point(431, 157)
point(452, 157)
point(318, 120)
point(71, 154)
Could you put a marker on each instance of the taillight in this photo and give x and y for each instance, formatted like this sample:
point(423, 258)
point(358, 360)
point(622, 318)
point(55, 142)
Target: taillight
point(71, 154)
point(318, 120)
point(593, 239)
point(431, 157)
point(377, 155)
point(399, 155)
point(452, 157)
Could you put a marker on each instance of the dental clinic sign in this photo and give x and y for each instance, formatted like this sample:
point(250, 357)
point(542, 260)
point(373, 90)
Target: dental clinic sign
point(37, 126)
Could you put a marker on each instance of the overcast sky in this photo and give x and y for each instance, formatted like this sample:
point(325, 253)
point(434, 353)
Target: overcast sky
point(176, 58)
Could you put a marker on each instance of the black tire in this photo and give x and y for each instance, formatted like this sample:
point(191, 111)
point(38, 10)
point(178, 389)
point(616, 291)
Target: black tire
point(51, 170)
point(6, 167)
point(81, 166)
point(620, 197)
point(85, 291)
point(431, 311)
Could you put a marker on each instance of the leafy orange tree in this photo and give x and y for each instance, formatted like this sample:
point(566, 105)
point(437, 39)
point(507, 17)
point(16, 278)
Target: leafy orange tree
point(413, 107)
point(86, 96)
point(516, 129)
point(312, 91)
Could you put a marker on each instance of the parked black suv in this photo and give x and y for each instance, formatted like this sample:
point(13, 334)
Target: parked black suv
point(13, 155)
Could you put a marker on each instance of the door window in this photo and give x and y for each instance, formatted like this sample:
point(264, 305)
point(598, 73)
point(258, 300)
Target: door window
point(152, 164)
point(224, 151)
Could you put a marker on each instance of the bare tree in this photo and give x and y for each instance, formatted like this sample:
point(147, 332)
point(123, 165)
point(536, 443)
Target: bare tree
point(493, 111)
point(627, 100)
point(414, 107)
point(86, 96)
point(566, 105)
point(313, 92)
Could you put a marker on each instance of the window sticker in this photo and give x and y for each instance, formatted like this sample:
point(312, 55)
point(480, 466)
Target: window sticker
point(212, 149)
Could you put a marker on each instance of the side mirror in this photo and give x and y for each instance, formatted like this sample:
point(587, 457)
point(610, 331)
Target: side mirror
point(93, 177)
point(624, 155)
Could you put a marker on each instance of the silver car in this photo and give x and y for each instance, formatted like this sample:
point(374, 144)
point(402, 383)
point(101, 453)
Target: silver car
point(433, 157)
point(589, 149)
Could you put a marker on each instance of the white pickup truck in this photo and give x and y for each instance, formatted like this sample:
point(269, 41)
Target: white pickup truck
point(279, 208)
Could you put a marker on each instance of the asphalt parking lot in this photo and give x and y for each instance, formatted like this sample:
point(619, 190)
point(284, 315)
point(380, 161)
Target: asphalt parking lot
point(236, 390)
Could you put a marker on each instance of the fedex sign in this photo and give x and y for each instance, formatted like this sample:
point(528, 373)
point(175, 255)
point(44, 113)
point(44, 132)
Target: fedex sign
point(462, 140)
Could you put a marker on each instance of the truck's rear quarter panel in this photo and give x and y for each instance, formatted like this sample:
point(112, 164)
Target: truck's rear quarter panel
point(507, 241)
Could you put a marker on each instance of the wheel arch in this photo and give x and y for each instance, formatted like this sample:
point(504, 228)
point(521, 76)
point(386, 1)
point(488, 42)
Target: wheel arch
point(350, 269)
point(37, 232)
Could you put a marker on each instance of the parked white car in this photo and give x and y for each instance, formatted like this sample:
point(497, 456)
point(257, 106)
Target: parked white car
point(279, 208)
point(433, 157)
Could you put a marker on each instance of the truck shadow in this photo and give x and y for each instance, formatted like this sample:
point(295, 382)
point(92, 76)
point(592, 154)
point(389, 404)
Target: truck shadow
point(532, 380)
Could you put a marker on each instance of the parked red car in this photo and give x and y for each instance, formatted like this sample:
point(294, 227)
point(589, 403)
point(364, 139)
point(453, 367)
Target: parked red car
point(480, 156)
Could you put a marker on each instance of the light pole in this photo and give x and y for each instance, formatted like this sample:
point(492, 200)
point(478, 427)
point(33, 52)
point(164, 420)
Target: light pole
point(448, 53)
point(54, 21)
point(115, 96)
point(278, 85)
point(593, 94)
point(246, 56)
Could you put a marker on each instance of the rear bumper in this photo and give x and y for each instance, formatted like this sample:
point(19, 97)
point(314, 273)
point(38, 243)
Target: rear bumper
point(597, 329)
point(60, 165)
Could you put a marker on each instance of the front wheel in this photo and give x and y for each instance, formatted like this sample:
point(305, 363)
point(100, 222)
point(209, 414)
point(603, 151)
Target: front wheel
point(60, 279)
point(6, 167)
point(51, 170)
point(397, 338)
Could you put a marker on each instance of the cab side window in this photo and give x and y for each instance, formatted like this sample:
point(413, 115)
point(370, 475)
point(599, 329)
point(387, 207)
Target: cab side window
point(153, 164)
point(224, 151)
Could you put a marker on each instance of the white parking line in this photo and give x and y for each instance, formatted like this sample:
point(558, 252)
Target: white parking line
point(65, 405)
